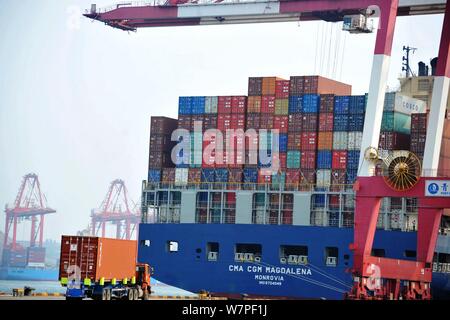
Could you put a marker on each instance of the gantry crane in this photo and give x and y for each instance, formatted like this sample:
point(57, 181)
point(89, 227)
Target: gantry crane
point(116, 209)
point(369, 189)
point(30, 204)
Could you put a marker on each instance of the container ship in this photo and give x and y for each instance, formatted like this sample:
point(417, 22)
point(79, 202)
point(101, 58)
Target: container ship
point(231, 225)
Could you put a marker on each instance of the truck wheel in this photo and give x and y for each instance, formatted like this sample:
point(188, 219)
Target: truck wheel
point(136, 294)
point(108, 294)
point(146, 295)
point(104, 294)
point(130, 295)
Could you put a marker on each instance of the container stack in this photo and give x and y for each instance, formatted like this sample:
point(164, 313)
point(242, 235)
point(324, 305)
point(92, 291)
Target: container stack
point(160, 149)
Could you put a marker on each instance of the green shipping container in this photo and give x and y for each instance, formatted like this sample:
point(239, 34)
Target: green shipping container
point(396, 122)
point(278, 180)
point(293, 159)
point(281, 107)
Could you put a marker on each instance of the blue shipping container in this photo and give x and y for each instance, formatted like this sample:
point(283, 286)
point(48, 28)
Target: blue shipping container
point(351, 176)
point(353, 159)
point(341, 104)
point(184, 105)
point(340, 122)
point(283, 138)
point(198, 105)
point(357, 104)
point(221, 175)
point(310, 103)
point(295, 104)
point(208, 175)
point(319, 200)
point(250, 175)
point(154, 176)
point(356, 122)
point(324, 158)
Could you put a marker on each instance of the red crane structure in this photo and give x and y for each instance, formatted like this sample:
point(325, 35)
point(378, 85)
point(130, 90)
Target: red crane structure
point(30, 204)
point(395, 279)
point(116, 209)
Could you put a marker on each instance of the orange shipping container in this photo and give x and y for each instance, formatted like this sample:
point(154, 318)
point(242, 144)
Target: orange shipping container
point(254, 104)
point(269, 85)
point(325, 141)
point(98, 257)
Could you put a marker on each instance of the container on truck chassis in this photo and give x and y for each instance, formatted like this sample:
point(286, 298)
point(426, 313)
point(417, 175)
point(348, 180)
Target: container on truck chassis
point(102, 269)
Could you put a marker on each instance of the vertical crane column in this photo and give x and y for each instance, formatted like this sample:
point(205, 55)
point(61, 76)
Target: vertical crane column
point(378, 81)
point(438, 101)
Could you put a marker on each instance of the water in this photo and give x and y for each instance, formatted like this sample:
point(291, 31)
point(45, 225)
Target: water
point(158, 288)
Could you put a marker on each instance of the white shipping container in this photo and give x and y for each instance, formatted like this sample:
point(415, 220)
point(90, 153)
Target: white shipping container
point(211, 104)
point(340, 140)
point(408, 105)
point(323, 178)
point(181, 176)
point(354, 140)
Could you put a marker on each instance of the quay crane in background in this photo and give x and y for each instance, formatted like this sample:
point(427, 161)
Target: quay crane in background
point(30, 204)
point(430, 191)
point(116, 209)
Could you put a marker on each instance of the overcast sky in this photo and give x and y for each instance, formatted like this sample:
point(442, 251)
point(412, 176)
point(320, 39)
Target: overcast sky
point(76, 96)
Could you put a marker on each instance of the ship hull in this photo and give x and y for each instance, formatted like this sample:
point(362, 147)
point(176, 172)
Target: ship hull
point(30, 274)
point(189, 268)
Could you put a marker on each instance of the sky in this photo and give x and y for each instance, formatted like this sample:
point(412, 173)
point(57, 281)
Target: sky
point(76, 96)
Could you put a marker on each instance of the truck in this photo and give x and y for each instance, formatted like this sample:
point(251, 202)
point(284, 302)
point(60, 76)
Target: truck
point(102, 269)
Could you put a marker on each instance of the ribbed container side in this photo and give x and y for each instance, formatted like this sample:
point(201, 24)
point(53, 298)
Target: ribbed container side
point(264, 176)
point(208, 175)
point(211, 104)
point(254, 104)
point(324, 158)
point(168, 175)
point(181, 176)
point(235, 178)
point(396, 122)
point(281, 107)
point(282, 156)
point(389, 101)
point(185, 122)
point(253, 121)
point(266, 121)
point(353, 159)
point(308, 160)
point(309, 122)
point(281, 123)
point(239, 104)
point(254, 86)
point(221, 175)
point(356, 122)
point(162, 125)
point(419, 122)
point(283, 142)
point(307, 176)
point(323, 178)
point(418, 143)
point(340, 140)
point(340, 122)
point(292, 177)
point(198, 105)
point(326, 121)
point(352, 174)
point(326, 103)
point(339, 160)
point(338, 177)
point(394, 141)
point(194, 176)
point(309, 141)
point(210, 122)
point(158, 159)
point(269, 85)
point(161, 142)
point(354, 140)
point(294, 140)
point(250, 175)
point(310, 103)
point(224, 104)
point(184, 105)
point(278, 179)
point(325, 141)
point(293, 160)
point(154, 176)
point(282, 89)
point(295, 122)
point(268, 104)
point(357, 104)
point(341, 104)
point(295, 104)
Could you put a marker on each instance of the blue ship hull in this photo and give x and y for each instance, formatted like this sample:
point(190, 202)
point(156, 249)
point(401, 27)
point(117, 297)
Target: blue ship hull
point(189, 268)
point(31, 274)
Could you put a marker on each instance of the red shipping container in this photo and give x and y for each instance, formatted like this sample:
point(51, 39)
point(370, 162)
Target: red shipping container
point(224, 104)
point(194, 176)
point(419, 122)
point(98, 257)
point(308, 160)
point(238, 121)
point(264, 176)
point(268, 104)
point(210, 122)
point(338, 179)
point(326, 103)
point(282, 89)
point(185, 122)
point(418, 142)
point(326, 121)
point(339, 160)
point(295, 122)
point(281, 123)
point(307, 176)
point(252, 121)
point(210, 155)
point(162, 125)
point(224, 122)
point(292, 178)
point(266, 121)
point(238, 104)
point(309, 122)
point(255, 86)
point(294, 140)
point(334, 201)
point(309, 141)
point(283, 159)
point(168, 175)
point(394, 141)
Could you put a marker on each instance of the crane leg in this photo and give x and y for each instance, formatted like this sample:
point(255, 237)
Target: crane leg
point(378, 81)
point(438, 102)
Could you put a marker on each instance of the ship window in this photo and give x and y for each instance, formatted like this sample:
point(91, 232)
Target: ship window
point(331, 256)
point(172, 246)
point(293, 254)
point(212, 251)
point(145, 243)
point(247, 252)
point(410, 253)
point(423, 85)
point(378, 253)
